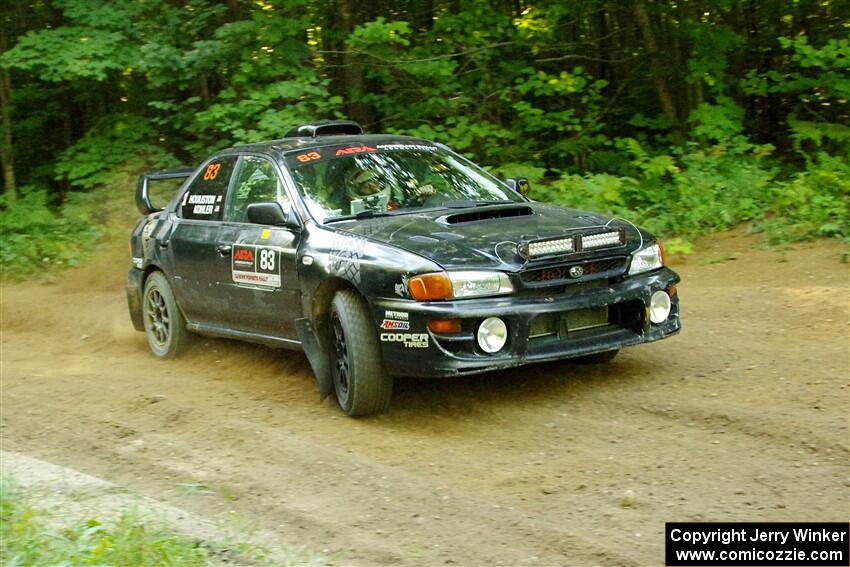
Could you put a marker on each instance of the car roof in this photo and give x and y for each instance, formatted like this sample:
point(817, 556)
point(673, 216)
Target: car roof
point(287, 145)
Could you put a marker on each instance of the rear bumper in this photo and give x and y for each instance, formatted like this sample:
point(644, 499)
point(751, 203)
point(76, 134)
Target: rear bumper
point(410, 349)
point(134, 298)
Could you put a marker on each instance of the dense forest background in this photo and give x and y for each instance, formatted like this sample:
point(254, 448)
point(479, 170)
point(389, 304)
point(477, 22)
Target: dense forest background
point(687, 115)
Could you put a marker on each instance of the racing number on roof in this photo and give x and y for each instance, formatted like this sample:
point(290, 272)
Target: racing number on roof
point(212, 171)
point(309, 156)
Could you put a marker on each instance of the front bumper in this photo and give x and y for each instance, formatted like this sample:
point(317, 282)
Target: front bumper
point(411, 349)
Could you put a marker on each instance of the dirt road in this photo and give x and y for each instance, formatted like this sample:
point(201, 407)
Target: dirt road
point(744, 416)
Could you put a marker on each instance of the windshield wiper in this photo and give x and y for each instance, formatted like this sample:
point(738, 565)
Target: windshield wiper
point(367, 214)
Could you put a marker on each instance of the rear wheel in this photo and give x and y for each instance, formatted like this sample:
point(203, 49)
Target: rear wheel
point(597, 358)
point(361, 382)
point(165, 327)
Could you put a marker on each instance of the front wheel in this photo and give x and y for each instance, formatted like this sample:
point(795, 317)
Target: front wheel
point(165, 327)
point(361, 382)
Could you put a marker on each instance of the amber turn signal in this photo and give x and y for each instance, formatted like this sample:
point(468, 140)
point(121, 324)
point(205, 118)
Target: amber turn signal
point(444, 326)
point(430, 287)
point(663, 254)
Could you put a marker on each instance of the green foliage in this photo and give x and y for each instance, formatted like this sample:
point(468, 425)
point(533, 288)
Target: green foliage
point(267, 112)
point(753, 126)
point(713, 45)
point(809, 137)
point(687, 195)
point(92, 160)
point(70, 53)
point(817, 82)
point(29, 540)
point(815, 202)
point(34, 237)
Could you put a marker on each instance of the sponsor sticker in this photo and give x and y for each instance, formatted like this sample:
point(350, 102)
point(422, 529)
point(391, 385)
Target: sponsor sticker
point(401, 315)
point(409, 340)
point(256, 265)
point(420, 147)
point(393, 324)
point(354, 150)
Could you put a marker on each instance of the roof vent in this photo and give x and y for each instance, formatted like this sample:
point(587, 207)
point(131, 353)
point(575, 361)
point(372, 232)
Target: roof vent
point(338, 128)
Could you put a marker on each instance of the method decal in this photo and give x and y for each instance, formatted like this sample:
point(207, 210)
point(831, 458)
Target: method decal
point(256, 265)
point(403, 315)
point(410, 340)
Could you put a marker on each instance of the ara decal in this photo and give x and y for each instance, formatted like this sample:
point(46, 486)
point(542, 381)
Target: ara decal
point(256, 266)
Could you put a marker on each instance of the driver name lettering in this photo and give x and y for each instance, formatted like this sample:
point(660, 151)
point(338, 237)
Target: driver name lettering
point(203, 204)
point(202, 199)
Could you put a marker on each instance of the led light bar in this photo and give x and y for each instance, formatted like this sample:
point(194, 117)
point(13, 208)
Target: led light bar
point(546, 247)
point(614, 238)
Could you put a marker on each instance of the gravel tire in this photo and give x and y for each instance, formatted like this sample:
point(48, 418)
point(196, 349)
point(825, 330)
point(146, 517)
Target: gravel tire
point(361, 382)
point(165, 327)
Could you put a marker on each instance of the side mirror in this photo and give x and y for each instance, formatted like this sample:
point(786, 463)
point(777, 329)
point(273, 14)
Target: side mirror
point(520, 185)
point(269, 213)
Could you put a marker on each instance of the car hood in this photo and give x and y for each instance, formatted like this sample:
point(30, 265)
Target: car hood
point(484, 237)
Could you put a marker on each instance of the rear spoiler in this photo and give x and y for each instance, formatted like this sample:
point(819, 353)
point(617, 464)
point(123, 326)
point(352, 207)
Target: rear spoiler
point(143, 202)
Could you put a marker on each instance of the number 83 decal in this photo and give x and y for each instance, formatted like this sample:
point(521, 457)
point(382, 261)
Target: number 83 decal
point(268, 259)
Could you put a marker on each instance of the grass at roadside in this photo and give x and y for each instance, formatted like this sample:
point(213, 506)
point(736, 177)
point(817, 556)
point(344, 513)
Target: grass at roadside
point(29, 536)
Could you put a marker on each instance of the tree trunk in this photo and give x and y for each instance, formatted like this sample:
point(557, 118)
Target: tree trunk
point(650, 45)
point(352, 69)
point(6, 158)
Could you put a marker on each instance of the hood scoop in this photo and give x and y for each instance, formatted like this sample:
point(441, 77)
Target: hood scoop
point(486, 214)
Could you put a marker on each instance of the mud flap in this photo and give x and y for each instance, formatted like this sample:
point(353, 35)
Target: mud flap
point(316, 355)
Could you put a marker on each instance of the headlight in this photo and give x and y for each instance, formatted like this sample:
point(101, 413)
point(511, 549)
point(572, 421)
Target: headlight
point(457, 285)
point(646, 259)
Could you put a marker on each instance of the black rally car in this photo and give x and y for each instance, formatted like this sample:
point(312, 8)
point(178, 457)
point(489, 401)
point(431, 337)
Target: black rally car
point(387, 255)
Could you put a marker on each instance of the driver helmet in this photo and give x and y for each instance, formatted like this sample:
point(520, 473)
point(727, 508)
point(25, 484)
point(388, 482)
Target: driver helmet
point(364, 184)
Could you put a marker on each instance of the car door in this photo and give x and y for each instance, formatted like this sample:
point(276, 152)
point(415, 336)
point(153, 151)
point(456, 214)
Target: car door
point(261, 289)
point(193, 243)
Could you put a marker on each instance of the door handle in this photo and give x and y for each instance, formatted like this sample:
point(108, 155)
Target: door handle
point(224, 249)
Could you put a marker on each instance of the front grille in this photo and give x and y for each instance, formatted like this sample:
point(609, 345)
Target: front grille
point(551, 331)
point(591, 270)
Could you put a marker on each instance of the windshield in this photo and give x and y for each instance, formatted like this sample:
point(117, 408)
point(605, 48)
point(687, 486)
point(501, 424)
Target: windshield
point(340, 181)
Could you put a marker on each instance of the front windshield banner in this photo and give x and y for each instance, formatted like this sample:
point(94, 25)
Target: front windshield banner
point(344, 180)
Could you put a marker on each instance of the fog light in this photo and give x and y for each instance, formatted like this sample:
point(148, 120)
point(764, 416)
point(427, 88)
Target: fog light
point(659, 307)
point(492, 334)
